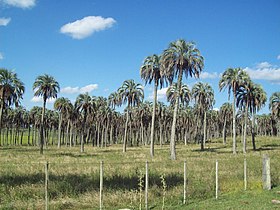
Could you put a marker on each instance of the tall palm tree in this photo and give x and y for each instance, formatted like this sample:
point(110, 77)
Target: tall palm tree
point(47, 87)
point(203, 95)
point(232, 78)
point(149, 72)
point(258, 100)
point(11, 90)
point(63, 105)
point(252, 98)
point(180, 58)
point(131, 93)
point(274, 104)
point(86, 105)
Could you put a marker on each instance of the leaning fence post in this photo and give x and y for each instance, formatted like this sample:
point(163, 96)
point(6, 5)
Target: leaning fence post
point(185, 181)
point(266, 173)
point(101, 185)
point(217, 183)
point(46, 185)
point(146, 186)
point(245, 174)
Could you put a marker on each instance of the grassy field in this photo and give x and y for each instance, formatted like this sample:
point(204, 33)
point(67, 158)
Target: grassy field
point(74, 177)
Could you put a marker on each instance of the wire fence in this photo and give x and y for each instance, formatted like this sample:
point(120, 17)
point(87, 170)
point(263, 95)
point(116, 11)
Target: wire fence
point(142, 183)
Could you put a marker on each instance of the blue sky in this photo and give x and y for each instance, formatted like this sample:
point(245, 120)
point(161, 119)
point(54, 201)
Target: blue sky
point(94, 45)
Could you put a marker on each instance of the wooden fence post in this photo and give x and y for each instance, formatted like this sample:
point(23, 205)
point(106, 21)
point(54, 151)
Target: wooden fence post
point(185, 182)
point(46, 185)
point(245, 174)
point(146, 186)
point(101, 185)
point(217, 183)
point(266, 173)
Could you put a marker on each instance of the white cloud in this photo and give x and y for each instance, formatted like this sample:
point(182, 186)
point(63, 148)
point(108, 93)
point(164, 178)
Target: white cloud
point(265, 71)
point(263, 65)
point(206, 75)
point(73, 90)
point(85, 27)
point(4, 21)
point(1, 56)
point(88, 88)
point(278, 57)
point(20, 3)
point(70, 90)
point(36, 99)
point(161, 94)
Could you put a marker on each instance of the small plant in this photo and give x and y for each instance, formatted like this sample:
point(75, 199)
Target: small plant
point(164, 186)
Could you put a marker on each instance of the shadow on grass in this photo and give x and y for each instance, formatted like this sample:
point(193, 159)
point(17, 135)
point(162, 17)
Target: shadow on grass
point(75, 155)
point(218, 150)
point(268, 147)
point(75, 184)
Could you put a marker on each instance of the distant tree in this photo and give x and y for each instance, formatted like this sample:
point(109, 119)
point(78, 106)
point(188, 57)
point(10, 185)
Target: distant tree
point(173, 92)
point(180, 58)
point(203, 94)
point(47, 87)
point(11, 91)
point(251, 97)
point(131, 93)
point(226, 114)
point(232, 78)
point(150, 72)
point(86, 105)
point(274, 104)
point(63, 105)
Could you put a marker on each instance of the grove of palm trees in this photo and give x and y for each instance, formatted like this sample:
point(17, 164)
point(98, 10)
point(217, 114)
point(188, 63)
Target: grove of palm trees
point(94, 119)
point(92, 124)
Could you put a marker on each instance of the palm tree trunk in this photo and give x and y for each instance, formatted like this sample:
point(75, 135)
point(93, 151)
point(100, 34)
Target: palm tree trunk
point(153, 120)
point(42, 126)
point(125, 130)
point(224, 131)
point(59, 130)
point(204, 131)
point(245, 128)
point(1, 112)
point(233, 123)
point(172, 139)
point(253, 131)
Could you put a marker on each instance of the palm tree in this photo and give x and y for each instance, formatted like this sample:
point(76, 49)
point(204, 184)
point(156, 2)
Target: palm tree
point(86, 105)
point(180, 58)
point(225, 113)
point(131, 93)
point(47, 87)
point(203, 95)
point(251, 97)
point(274, 106)
point(11, 91)
point(63, 105)
point(173, 92)
point(149, 72)
point(232, 78)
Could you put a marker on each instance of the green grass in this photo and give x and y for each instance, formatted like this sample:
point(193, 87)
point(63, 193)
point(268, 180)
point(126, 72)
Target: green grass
point(74, 177)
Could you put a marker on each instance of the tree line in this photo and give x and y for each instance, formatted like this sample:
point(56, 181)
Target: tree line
point(94, 120)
